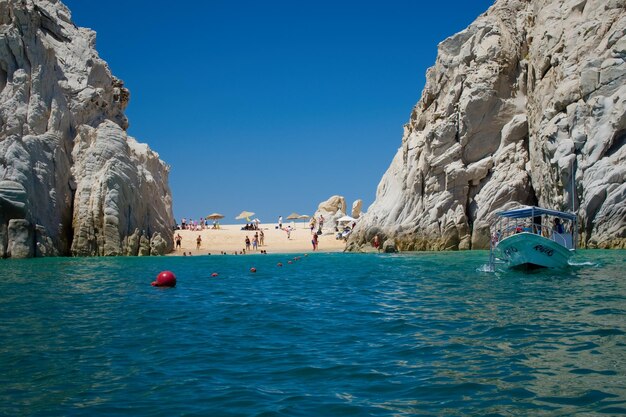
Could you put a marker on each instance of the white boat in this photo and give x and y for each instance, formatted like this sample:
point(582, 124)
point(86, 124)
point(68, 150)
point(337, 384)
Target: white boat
point(532, 237)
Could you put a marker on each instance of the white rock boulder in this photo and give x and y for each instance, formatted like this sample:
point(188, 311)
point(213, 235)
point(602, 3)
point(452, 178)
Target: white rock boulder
point(357, 208)
point(331, 209)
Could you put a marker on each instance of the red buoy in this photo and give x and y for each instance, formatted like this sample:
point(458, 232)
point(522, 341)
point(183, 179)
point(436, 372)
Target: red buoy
point(214, 274)
point(165, 279)
point(253, 269)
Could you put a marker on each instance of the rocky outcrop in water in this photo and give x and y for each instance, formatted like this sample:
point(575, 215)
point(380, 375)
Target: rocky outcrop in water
point(530, 97)
point(71, 180)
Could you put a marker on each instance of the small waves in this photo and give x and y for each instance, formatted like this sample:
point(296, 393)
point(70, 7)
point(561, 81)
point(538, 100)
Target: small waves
point(582, 263)
point(331, 335)
point(485, 268)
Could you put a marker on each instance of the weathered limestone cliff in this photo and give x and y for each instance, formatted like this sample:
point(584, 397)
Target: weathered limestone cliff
point(530, 97)
point(71, 180)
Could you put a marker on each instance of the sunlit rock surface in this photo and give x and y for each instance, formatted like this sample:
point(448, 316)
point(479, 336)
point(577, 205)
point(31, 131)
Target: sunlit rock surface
point(71, 180)
point(335, 208)
point(528, 97)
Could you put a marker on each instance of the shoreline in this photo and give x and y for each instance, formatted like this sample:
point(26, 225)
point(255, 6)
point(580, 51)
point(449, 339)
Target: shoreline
point(229, 239)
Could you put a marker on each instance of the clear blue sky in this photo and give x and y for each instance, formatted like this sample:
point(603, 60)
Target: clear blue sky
point(271, 106)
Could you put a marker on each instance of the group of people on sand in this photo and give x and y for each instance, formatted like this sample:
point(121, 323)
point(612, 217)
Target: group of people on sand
point(316, 222)
point(251, 226)
point(178, 240)
point(253, 243)
point(250, 244)
point(197, 225)
point(257, 240)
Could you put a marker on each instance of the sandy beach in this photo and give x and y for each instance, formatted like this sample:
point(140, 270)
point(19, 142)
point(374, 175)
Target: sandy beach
point(231, 239)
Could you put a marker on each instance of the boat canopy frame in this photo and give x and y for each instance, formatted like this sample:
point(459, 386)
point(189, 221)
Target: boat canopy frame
point(532, 211)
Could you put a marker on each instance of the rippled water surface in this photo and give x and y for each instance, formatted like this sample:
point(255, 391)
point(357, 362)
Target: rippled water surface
point(328, 335)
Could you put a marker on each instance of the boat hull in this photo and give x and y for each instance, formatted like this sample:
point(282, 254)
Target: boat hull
point(528, 250)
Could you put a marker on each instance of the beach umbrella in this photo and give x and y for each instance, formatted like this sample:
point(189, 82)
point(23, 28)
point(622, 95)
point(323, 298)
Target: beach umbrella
point(346, 219)
point(304, 218)
point(215, 216)
point(245, 215)
point(294, 217)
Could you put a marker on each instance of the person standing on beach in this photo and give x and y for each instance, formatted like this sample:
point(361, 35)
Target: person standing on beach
point(376, 243)
point(198, 242)
point(261, 238)
point(280, 222)
point(255, 242)
point(314, 241)
point(247, 243)
point(178, 239)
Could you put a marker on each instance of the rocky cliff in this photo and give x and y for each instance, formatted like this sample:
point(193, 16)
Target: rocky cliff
point(71, 180)
point(530, 97)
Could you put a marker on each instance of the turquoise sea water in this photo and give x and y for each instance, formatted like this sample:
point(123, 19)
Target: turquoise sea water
point(328, 335)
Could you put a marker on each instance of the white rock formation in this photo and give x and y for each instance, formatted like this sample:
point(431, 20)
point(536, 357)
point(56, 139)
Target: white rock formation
point(334, 208)
point(357, 208)
point(71, 180)
point(530, 96)
point(331, 209)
